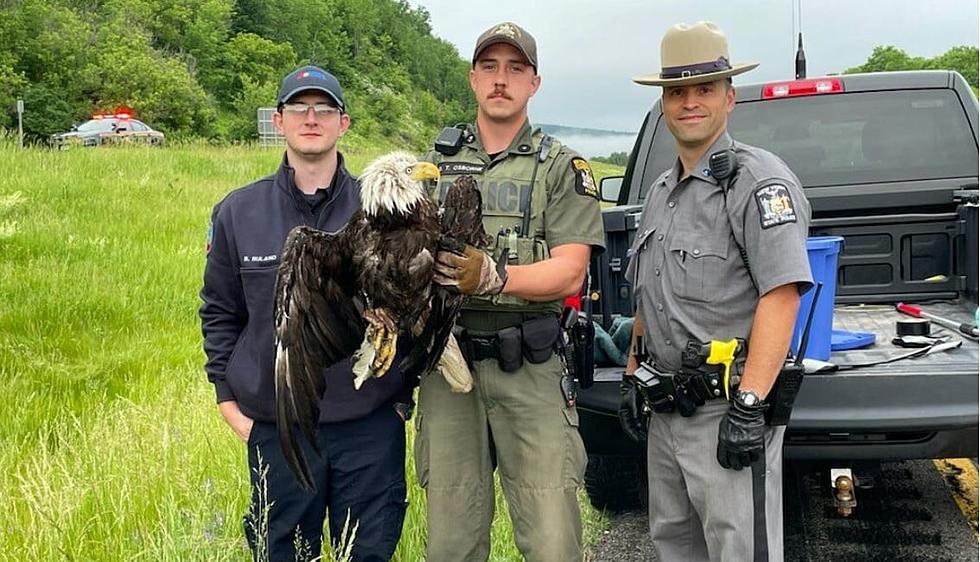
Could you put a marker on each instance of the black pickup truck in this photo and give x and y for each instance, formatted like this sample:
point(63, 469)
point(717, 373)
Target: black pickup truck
point(889, 162)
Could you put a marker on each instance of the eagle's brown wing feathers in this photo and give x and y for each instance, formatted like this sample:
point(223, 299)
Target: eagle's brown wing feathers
point(317, 324)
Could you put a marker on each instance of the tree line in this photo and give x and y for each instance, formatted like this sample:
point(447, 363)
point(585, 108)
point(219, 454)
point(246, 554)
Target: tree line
point(963, 59)
point(201, 68)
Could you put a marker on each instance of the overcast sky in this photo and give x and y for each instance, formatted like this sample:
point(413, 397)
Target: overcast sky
point(589, 50)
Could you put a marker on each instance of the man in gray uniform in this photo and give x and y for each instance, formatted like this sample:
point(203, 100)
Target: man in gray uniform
point(715, 258)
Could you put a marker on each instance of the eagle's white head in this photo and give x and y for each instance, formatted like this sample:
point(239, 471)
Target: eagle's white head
point(393, 183)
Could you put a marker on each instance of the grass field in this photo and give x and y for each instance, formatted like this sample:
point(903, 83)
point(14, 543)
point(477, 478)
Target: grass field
point(112, 448)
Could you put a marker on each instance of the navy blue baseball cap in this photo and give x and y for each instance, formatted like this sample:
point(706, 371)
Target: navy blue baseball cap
point(308, 78)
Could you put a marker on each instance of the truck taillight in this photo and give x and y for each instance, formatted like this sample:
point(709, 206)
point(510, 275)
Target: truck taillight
point(803, 88)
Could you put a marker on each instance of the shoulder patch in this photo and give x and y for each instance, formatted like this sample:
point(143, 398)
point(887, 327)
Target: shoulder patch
point(775, 205)
point(584, 181)
point(460, 168)
point(210, 241)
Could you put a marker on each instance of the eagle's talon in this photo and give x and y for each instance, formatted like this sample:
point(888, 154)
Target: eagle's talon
point(391, 350)
point(386, 353)
point(377, 337)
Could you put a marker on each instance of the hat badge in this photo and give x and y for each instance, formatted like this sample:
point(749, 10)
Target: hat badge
point(506, 29)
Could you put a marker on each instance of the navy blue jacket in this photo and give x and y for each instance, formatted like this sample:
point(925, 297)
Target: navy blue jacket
point(248, 229)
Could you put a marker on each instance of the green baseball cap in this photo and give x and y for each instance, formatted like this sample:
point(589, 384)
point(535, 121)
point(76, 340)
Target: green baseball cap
point(512, 34)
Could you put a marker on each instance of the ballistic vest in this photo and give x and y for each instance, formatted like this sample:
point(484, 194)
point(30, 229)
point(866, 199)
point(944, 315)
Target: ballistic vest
point(505, 184)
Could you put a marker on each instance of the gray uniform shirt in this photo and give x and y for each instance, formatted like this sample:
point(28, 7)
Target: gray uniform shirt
point(689, 280)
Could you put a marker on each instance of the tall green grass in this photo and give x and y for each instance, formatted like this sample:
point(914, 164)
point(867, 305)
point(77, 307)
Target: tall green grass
point(111, 446)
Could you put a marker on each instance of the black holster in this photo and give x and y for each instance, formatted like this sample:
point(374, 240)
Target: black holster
point(783, 394)
point(578, 339)
point(656, 387)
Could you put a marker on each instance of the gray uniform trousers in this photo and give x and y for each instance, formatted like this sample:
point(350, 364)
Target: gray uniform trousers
point(700, 511)
point(519, 423)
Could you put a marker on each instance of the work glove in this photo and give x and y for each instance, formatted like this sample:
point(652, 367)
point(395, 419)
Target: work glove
point(632, 412)
point(742, 435)
point(471, 272)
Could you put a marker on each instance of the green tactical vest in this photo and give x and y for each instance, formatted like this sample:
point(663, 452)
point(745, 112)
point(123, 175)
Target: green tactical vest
point(504, 185)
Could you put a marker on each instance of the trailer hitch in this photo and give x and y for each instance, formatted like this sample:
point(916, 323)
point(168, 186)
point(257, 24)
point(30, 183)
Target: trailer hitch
point(842, 482)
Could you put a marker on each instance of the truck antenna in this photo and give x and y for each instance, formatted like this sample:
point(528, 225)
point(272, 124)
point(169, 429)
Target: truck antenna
point(800, 60)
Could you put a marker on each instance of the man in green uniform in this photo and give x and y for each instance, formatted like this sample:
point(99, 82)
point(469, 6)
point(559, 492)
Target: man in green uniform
point(541, 210)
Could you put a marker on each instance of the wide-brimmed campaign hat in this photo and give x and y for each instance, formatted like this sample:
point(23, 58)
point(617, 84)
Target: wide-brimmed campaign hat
point(693, 54)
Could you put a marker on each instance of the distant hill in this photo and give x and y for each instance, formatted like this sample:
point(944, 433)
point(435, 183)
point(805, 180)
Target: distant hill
point(592, 143)
point(562, 130)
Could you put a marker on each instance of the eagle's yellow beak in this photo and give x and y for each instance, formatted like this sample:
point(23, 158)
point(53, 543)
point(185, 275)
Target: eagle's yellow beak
point(425, 171)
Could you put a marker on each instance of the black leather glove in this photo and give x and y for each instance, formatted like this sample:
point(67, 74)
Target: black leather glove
point(632, 413)
point(742, 433)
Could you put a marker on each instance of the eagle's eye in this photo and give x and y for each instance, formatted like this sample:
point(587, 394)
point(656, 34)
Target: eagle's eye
point(408, 170)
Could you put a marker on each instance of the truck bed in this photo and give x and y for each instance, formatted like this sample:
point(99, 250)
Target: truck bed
point(880, 320)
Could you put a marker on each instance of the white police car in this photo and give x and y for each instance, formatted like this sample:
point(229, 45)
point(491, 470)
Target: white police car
point(116, 128)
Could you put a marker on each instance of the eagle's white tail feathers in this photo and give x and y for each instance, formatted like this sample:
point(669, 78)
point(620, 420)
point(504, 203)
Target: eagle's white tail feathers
point(364, 358)
point(454, 368)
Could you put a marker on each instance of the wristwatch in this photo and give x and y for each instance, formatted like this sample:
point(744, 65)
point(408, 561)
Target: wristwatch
point(748, 398)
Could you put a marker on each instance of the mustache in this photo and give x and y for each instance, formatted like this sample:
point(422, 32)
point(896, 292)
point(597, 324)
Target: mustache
point(499, 93)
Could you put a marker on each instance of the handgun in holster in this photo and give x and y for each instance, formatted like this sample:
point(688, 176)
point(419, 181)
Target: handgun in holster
point(566, 350)
point(577, 339)
point(656, 387)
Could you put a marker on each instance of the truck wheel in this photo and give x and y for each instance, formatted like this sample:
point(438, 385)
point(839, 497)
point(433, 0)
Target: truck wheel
point(616, 482)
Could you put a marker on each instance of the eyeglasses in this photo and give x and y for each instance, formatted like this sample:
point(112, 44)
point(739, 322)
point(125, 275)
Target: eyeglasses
point(321, 109)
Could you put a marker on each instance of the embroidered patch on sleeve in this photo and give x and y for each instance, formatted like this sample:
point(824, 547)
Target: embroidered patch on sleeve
point(584, 181)
point(775, 205)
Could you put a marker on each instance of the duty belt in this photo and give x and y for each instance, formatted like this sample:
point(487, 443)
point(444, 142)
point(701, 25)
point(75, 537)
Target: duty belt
point(484, 347)
point(666, 391)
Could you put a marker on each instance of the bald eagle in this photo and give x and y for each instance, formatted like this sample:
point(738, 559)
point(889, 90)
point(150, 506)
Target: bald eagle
point(353, 292)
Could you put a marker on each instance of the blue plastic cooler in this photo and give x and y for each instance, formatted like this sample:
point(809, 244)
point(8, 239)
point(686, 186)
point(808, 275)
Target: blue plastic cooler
point(822, 251)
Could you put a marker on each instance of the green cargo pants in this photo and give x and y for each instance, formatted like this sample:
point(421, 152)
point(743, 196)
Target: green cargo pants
point(515, 421)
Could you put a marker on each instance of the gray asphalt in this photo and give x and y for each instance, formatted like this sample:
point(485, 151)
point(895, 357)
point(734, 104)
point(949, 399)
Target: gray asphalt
point(908, 515)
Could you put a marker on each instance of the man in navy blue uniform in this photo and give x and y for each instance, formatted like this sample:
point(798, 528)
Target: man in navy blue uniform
point(360, 476)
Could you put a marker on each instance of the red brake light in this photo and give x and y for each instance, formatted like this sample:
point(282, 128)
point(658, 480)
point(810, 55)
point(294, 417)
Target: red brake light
point(803, 88)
